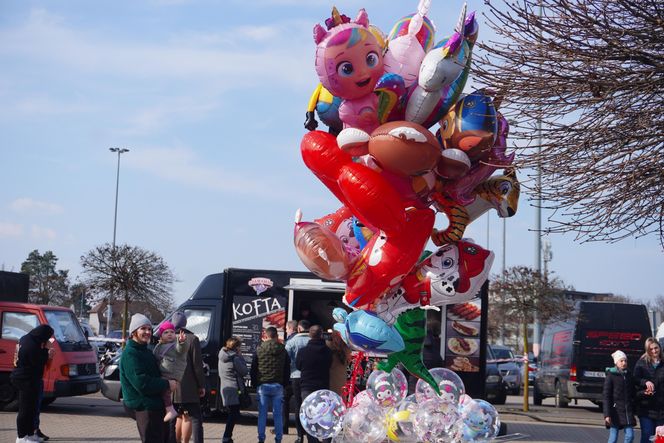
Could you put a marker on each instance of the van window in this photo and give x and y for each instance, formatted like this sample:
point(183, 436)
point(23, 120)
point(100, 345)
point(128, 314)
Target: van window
point(198, 322)
point(16, 324)
point(65, 328)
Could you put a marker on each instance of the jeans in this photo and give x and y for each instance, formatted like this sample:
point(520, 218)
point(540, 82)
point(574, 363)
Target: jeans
point(648, 426)
point(270, 393)
point(233, 415)
point(613, 434)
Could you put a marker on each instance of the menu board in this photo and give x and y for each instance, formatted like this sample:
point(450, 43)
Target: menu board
point(252, 315)
point(462, 336)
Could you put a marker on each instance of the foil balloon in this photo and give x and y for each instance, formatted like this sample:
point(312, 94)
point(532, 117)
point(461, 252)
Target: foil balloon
point(349, 62)
point(470, 126)
point(321, 414)
point(387, 388)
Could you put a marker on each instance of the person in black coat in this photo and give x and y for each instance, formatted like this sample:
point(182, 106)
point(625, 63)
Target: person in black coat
point(647, 367)
point(314, 361)
point(33, 353)
point(618, 401)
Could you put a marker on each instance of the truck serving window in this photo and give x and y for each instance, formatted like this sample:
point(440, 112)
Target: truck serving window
point(198, 322)
point(16, 324)
point(65, 327)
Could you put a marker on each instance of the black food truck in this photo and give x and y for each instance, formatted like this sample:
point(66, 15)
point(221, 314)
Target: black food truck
point(576, 352)
point(243, 302)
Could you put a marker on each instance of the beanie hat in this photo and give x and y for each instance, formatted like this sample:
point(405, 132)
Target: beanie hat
point(163, 327)
point(617, 356)
point(138, 320)
point(179, 320)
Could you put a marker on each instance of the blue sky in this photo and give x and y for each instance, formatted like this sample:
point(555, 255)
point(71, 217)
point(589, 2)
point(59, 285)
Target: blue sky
point(209, 96)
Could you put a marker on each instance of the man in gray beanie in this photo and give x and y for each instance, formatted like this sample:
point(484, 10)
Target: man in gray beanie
point(187, 396)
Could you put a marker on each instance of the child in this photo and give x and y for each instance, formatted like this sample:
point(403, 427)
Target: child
point(619, 399)
point(172, 357)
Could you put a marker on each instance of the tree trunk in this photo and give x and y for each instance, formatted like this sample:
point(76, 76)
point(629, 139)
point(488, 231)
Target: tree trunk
point(525, 366)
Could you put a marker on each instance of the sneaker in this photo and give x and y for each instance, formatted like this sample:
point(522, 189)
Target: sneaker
point(23, 440)
point(34, 438)
point(171, 414)
point(40, 434)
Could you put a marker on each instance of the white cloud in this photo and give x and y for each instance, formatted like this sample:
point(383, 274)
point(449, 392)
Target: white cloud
point(10, 230)
point(146, 120)
point(41, 233)
point(49, 106)
point(45, 38)
point(25, 204)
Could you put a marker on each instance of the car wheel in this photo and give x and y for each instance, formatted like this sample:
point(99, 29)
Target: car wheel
point(8, 397)
point(537, 396)
point(561, 399)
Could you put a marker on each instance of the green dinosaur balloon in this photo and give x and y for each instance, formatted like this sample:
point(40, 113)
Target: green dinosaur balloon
point(412, 327)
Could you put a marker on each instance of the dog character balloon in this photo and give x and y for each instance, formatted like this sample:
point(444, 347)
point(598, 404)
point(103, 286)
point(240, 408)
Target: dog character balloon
point(349, 63)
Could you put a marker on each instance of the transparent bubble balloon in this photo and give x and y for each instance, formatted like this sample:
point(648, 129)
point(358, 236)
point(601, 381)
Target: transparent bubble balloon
point(364, 423)
point(387, 388)
point(321, 414)
point(480, 421)
point(450, 385)
point(435, 420)
point(363, 397)
point(400, 422)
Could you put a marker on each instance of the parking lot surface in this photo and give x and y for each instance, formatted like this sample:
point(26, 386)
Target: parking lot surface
point(93, 418)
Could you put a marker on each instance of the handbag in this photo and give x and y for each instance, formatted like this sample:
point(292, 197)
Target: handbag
point(243, 394)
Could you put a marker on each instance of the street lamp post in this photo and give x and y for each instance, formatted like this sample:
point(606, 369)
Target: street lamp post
point(119, 151)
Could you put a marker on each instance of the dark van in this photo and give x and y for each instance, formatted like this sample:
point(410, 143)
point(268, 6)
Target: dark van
point(575, 353)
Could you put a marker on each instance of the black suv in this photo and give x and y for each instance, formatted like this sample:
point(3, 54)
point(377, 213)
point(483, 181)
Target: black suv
point(495, 387)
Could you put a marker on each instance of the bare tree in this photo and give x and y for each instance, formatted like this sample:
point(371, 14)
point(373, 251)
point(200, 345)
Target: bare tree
point(130, 272)
point(521, 292)
point(48, 285)
point(592, 72)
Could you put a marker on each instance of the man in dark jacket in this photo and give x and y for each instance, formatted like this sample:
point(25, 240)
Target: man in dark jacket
point(314, 361)
point(269, 373)
point(187, 396)
point(618, 401)
point(33, 354)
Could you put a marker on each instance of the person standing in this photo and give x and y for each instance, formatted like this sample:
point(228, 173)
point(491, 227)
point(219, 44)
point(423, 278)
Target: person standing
point(341, 357)
point(141, 382)
point(618, 399)
point(270, 369)
point(26, 377)
point(645, 374)
point(293, 346)
point(314, 361)
point(188, 394)
point(291, 329)
point(232, 369)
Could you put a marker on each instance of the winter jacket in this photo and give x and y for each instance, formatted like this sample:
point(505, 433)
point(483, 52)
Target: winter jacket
point(270, 364)
point(32, 356)
point(232, 368)
point(140, 378)
point(193, 378)
point(293, 346)
point(618, 398)
point(172, 358)
point(314, 361)
point(646, 405)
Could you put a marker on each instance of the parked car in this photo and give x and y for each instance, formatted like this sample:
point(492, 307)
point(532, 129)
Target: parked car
point(495, 387)
point(532, 366)
point(576, 352)
point(110, 379)
point(509, 367)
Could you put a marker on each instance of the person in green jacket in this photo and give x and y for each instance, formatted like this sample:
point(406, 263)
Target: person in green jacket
point(142, 385)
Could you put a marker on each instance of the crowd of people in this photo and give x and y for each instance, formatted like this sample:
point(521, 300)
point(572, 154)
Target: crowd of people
point(637, 393)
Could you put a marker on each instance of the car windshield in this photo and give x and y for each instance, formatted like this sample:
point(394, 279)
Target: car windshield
point(503, 354)
point(65, 327)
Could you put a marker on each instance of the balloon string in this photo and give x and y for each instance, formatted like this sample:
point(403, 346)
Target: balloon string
point(350, 388)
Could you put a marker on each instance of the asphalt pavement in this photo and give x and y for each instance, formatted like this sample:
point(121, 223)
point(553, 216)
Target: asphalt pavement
point(93, 418)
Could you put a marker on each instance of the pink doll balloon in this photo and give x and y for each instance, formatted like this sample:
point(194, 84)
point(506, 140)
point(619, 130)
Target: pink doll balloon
point(349, 63)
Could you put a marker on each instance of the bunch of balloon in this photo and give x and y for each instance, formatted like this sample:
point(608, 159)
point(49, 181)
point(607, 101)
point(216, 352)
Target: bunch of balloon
point(393, 172)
